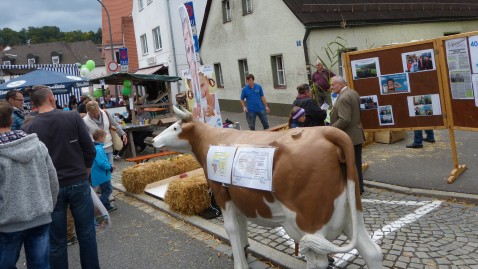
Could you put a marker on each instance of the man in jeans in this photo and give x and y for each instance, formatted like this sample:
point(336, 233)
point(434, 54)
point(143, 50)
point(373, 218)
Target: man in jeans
point(72, 152)
point(255, 103)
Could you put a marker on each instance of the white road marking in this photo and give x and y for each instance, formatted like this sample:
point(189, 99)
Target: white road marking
point(396, 225)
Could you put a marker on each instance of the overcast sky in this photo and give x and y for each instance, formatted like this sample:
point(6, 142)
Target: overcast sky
point(68, 15)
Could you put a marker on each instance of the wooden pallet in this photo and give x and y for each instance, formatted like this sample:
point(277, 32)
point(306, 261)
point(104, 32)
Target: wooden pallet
point(145, 158)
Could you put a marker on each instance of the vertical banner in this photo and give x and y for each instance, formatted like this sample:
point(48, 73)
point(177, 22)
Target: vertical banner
point(207, 83)
point(197, 109)
point(190, 8)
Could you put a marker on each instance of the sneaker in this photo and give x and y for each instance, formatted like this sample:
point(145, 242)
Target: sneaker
point(429, 140)
point(414, 146)
point(72, 241)
point(116, 157)
point(113, 208)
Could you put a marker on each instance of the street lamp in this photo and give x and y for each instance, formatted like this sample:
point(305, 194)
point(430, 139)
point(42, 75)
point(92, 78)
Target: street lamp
point(111, 46)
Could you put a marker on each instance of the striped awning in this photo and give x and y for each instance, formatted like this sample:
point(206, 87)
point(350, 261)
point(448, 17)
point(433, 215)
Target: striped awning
point(150, 70)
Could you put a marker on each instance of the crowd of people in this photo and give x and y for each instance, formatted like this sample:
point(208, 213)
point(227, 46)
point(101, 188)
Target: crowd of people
point(55, 154)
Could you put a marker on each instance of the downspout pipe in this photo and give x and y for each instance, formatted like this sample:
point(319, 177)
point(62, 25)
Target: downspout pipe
point(172, 40)
point(306, 52)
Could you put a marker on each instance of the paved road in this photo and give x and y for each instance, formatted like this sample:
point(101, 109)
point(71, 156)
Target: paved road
point(142, 237)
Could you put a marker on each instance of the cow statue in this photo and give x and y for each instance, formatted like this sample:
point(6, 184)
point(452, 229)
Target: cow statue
point(315, 195)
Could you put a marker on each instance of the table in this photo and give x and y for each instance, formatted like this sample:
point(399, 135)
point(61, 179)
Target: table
point(129, 130)
point(155, 110)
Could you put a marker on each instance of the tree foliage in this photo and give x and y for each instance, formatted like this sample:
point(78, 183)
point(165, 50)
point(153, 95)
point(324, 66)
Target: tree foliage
point(35, 35)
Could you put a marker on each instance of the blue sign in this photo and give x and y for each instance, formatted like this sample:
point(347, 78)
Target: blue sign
point(123, 56)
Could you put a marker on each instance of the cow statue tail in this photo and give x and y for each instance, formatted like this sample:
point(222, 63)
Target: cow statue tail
point(317, 242)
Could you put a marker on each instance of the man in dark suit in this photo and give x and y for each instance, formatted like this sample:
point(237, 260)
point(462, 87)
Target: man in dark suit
point(345, 115)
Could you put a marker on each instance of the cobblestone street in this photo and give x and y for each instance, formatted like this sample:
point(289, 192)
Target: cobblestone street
point(412, 231)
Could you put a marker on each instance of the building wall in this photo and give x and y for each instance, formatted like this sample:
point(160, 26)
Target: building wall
point(130, 43)
point(173, 53)
point(255, 37)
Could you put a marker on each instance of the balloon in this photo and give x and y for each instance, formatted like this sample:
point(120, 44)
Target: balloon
point(83, 66)
point(98, 93)
point(127, 83)
point(126, 91)
point(90, 64)
point(84, 72)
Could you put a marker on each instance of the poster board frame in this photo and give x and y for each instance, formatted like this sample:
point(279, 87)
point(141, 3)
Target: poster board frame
point(405, 122)
point(456, 107)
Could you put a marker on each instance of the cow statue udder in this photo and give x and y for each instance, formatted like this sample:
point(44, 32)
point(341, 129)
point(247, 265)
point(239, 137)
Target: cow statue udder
point(311, 199)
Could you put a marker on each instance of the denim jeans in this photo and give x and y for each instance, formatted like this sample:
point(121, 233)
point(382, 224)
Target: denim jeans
point(37, 247)
point(418, 136)
point(251, 119)
point(78, 196)
point(106, 190)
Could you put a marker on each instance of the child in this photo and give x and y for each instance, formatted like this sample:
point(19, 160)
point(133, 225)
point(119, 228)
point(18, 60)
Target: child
point(101, 170)
point(297, 117)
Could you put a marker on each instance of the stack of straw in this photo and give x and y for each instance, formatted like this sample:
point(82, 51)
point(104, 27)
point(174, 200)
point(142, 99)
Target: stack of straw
point(188, 196)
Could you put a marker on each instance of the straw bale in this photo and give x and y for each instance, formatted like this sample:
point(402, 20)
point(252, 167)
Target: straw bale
point(137, 177)
point(188, 196)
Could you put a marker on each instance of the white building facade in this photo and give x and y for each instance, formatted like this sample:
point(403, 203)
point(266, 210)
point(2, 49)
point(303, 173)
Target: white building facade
point(159, 37)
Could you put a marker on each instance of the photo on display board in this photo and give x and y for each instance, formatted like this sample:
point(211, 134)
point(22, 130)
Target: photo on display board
point(365, 68)
point(385, 114)
point(394, 83)
point(368, 102)
point(417, 61)
point(424, 105)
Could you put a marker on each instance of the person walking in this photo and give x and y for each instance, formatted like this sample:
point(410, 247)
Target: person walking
point(418, 139)
point(254, 103)
point(101, 170)
point(72, 152)
point(28, 191)
point(15, 98)
point(345, 115)
point(314, 115)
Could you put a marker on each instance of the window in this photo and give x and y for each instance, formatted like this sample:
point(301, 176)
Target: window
point(243, 71)
point(31, 61)
point(140, 5)
point(7, 63)
point(116, 59)
point(55, 59)
point(246, 7)
point(226, 11)
point(278, 72)
point(218, 72)
point(144, 44)
point(157, 39)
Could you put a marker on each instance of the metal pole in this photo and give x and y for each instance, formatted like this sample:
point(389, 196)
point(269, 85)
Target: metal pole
point(111, 43)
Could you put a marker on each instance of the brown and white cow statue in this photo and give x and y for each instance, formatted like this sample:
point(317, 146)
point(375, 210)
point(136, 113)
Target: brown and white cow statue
point(315, 195)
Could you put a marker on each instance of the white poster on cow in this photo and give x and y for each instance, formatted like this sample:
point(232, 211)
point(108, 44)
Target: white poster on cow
point(252, 168)
point(219, 163)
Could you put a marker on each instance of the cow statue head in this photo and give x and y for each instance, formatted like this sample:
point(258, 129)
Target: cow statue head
point(169, 138)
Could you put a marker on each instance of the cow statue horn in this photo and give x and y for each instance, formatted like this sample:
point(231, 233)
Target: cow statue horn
point(182, 113)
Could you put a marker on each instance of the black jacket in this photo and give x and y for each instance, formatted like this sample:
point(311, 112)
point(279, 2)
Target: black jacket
point(314, 116)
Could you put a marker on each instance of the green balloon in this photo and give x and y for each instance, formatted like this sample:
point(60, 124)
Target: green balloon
point(127, 83)
point(90, 64)
point(98, 93)
point(126, 91)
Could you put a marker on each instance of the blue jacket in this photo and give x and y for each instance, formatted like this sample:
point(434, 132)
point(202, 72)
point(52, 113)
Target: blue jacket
point(101, 170)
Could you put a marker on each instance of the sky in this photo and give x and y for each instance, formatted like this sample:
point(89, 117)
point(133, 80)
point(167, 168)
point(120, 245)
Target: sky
point(68, 15)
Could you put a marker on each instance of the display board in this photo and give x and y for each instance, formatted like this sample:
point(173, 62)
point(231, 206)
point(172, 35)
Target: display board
point(460, 78)
point(399, 86)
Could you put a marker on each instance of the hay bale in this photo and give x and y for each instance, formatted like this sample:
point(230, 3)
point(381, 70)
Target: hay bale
point(188, 196)
point(136, 178)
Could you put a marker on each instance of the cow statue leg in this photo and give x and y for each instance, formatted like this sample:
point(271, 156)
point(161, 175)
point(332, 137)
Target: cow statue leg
point(236, 227)
point(369, 250)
